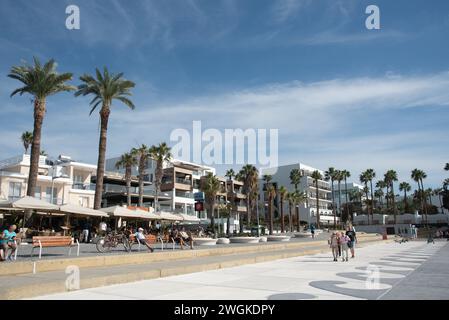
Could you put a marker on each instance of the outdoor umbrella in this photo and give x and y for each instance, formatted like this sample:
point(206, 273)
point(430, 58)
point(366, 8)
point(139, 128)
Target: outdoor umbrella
point(117, 211)
point(164, 215)
point(188, 218)
point(28, 203)
point(81, 211)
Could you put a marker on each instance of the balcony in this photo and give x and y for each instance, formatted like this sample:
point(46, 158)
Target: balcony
point(83, 186)
point(184, 181)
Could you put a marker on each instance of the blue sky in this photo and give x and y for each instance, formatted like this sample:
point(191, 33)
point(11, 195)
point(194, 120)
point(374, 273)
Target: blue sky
point(340, 95)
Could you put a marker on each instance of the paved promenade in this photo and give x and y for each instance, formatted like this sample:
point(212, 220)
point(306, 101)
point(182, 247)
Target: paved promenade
point(413, 270)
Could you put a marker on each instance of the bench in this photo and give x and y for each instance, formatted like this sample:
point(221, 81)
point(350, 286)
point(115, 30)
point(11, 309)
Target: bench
point(53, 241)
point(149, 238)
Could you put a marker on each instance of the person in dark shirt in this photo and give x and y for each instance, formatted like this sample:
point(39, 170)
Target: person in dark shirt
point(350, 232)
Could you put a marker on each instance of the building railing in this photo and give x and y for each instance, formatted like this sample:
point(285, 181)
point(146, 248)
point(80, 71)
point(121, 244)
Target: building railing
point(184, 181)
point(83, 186)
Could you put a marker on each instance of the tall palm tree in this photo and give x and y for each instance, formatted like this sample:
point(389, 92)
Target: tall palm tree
point(40, 81)
point(141, 153)
point(330, 174)
point(418, 176)
point(249, 175)
point(210, 186)
point(161, 154)
point(339, 178)
point(282, 195)
point(379, 193)
point(271, 193)
point(105, 88)
point(405, 187)
point(345, 175)
point(27, 140)
point(316, 176)
point(127, 161)
point(371, 174)
point(289, 198)
point(230, 174)
point(364, 178)
point(380, 185)
point(297, 198)
point(439, 193)
point(295, 180)
point(390, 177)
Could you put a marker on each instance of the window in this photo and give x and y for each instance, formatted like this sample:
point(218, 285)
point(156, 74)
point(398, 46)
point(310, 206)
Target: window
point(15, 191)
point(84, 202)
point(48, 196)
point(38, 193)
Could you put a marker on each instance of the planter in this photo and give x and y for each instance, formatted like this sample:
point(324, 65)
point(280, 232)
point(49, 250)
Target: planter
point(263, 239)
point(303, 234)
point(223, 241)
point(204, 241)
point(278, 238)
point(244, 240)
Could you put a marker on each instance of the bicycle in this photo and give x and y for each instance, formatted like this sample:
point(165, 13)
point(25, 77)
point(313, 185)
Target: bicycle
point(113, 240)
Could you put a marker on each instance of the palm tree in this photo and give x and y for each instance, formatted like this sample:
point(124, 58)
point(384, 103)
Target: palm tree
point(40, 81)
point(330, 174)
point(297, 198)
point(127, 161)
point(405, 187)
point(371, 174)
point(439, 192)
point(249, 175)
point(316, 175)
point(104, 88)
point(289, 198)
point(295, 179)
point(364, 178)
point(379, 193)
point(446, 167)
point(210, 186)
point(141, 153)
point(271, 193)
point(27, 140)
point(282, 195)
point(345, 175)
point(339, 177)
point(161, 154)
point(418, 176)
point(230, 174)
point(380, 185)
point(390, 177)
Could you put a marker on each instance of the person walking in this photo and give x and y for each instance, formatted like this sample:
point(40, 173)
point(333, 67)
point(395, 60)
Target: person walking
point(333, 243)
point(344, 239)
point(339, 234)
point(352, 240)
point(312, 230)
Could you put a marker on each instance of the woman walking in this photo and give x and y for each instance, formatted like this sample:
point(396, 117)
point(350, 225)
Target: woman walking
point(333, 243)
point(344, 239)
point(352, 239)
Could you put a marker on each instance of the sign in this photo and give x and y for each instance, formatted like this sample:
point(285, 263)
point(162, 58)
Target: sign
point(198, 196)
point(199, 206)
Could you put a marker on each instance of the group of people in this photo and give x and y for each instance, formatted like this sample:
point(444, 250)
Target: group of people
point(8, 244)
point(182, 237)
point(343, 242)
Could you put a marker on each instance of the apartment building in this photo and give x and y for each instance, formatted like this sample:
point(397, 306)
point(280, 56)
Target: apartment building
point(307, 210)
point(60, 181)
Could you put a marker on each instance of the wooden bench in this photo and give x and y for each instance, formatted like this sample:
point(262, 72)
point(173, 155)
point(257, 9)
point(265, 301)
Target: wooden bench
point(53, 241)
point(149, 238)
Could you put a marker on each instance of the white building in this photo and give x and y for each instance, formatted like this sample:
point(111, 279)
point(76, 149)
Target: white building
point(345, 193)
point(60, 181)
point(308, 210)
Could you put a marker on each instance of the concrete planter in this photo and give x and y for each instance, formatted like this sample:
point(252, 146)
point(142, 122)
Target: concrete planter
point(223, 241)
point(263, 239)
point(278, 238)
point(244, 240)
point(204, 241)
point(303, 234)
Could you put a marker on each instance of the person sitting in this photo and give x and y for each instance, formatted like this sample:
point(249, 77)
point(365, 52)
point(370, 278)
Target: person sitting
point(186, 237)
point(7, 242)
point(141, 237)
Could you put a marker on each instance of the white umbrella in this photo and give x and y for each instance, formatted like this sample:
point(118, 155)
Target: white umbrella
point(117, 211)
point(82, 211)
point(29, 203)
point(164, 215)
point(188, 218)
point(147, 215)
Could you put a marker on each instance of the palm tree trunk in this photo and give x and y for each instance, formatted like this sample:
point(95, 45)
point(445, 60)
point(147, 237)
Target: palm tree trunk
point(282, 215)
point(104, 118)
point(339, 199)
point(290, 217)
point(317, 206)
point(405, 201)
point(393, 202)
point(347, 200)
point(333, 205)
point(372, 199)
point(128, 189)
point(212, 218)
point(157, 184)
point(248, 216)
point(298, 227)
point(425, 201)
point(270, 209)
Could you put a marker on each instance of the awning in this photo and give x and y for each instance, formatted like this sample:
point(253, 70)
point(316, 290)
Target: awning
point(29, 203)
point(164, 215)
point(82, 211)
point(188, 218)
point(117, 211)
point(147, 215)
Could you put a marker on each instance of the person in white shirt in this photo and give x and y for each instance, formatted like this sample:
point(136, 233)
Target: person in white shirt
point(140, 235)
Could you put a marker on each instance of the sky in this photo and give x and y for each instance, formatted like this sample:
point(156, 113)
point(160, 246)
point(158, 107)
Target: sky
point(339, 94)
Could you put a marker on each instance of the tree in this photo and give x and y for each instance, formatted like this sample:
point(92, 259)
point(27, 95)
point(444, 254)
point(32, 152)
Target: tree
point(296, 199)
point(271, 193)
point(249, 176)
point(161, 154)
point(295, 180)
point(390, 177)
point(316, 176)
point(210, 186)
point(405, 187)
point(105, 88)
point(418, 176)
point(27, 140)
point(446, 167)
point(365, 179)
point(380, 185)
point(379, 193)
point(40, 81)
point(282, 195)
point(371, 174)
point(230, 174)
point(339, 177)
point(141, 153)
point(345, 175)
point(330, 174)
point(127, 161)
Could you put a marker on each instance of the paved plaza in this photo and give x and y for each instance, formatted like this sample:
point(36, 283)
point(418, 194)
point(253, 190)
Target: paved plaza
point(412, 270)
